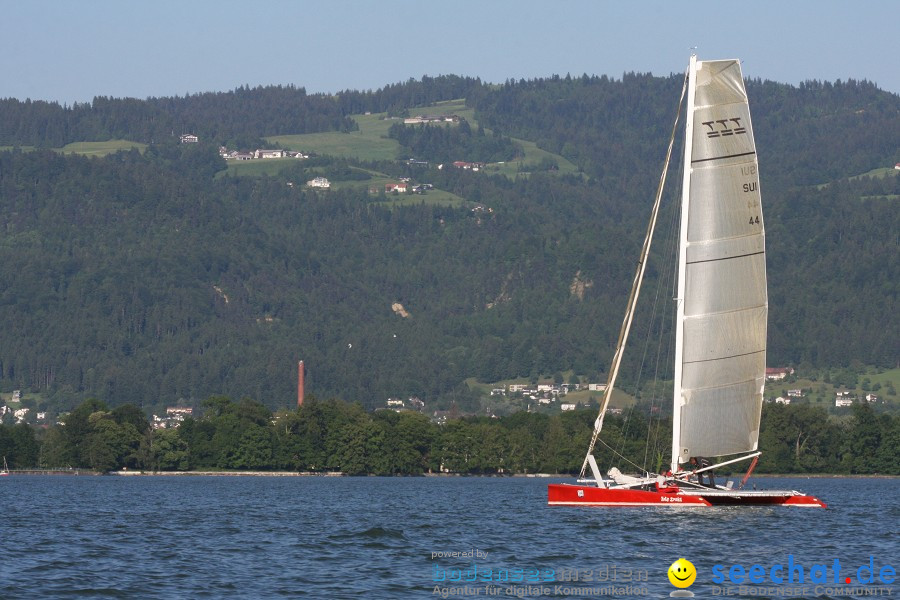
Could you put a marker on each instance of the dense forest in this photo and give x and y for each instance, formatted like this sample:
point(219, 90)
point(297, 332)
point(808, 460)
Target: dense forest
point(443, 143)
point(240, 117)
point(323, 436)
point(150, 279)
point(237, 118)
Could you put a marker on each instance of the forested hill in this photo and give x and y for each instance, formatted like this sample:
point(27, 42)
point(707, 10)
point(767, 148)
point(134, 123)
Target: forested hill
point(239, 117)
point(150, 278)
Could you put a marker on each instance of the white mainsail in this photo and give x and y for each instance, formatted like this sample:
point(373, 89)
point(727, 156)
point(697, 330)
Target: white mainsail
point(722, 302)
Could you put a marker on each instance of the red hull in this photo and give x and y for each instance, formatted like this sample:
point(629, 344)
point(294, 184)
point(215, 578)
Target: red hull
point(562, 494)
point(581, 495)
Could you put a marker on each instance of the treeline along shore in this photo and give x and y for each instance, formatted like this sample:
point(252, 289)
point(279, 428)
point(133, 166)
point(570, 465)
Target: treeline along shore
point(333, 436)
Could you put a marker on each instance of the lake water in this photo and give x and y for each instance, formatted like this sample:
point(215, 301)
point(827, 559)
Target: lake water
point(261, 537)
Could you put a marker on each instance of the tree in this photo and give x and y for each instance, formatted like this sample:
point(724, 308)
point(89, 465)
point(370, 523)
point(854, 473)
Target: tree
point(165, 450)
point(18, 446)
point(863, 441)
point(796, 439)
point(109, 445)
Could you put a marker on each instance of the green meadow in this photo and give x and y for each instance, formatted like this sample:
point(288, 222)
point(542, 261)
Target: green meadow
point(369, 143)
point(372, 143)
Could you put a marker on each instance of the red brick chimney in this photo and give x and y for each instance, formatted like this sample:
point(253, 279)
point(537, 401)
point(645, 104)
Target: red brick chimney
point(300, 373)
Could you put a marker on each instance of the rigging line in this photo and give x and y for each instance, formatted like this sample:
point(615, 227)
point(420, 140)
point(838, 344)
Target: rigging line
point(665, 274)
point(662, 283)
point(637, 386)
point(669, 316)
point(621, 456)
point(636, 284)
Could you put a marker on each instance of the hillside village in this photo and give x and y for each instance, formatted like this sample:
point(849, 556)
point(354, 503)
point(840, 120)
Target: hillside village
point(259, 153)
point(543, 396)
point(403, 186)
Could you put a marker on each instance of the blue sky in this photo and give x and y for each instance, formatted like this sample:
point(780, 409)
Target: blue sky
point(72, 51)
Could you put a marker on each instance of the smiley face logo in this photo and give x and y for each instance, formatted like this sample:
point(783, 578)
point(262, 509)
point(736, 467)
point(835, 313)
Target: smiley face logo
point(682, 573)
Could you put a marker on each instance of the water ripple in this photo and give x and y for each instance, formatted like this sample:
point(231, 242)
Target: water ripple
point(255, 537)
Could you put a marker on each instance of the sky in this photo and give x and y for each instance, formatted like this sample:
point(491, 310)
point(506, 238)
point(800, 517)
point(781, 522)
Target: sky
point(68, 51)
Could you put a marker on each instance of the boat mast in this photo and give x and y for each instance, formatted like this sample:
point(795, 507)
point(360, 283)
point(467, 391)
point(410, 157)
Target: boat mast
point(635, 292)
point(677, 399)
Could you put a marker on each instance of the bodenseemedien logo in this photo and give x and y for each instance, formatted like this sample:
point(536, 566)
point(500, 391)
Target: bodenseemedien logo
point(682, 574)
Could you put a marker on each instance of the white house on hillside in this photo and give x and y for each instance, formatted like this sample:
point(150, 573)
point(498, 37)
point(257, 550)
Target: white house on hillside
point(263, 153)
point(319, 182)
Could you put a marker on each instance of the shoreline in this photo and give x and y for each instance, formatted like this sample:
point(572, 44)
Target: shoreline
point(340, 474)
point(224, 473)
point(135, 473)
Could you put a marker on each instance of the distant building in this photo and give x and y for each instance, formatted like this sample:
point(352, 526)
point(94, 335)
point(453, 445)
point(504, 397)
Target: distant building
point(795, 393)
point(778, 373)
point(567, 406)
point(399, 188)
point(422, 119)
point(839, 402)
point(189, 138)
point(782, 400)
point(319, 182)
point(468, 166)
point(263, 153)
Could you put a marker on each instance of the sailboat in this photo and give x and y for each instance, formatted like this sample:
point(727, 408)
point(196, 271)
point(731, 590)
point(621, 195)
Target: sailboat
point(721, 313)
point(5, 470)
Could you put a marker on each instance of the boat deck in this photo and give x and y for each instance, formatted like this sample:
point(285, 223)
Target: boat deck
point(748, 493)
point(747, 497)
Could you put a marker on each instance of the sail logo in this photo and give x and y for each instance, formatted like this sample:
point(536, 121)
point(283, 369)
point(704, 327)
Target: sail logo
point(724, 127)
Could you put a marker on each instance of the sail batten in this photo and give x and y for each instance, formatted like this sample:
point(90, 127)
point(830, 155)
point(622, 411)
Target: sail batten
point(723, 308)
point(727, 156)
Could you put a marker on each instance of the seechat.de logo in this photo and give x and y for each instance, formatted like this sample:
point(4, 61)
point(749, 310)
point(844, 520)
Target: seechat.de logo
point(794, 572)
